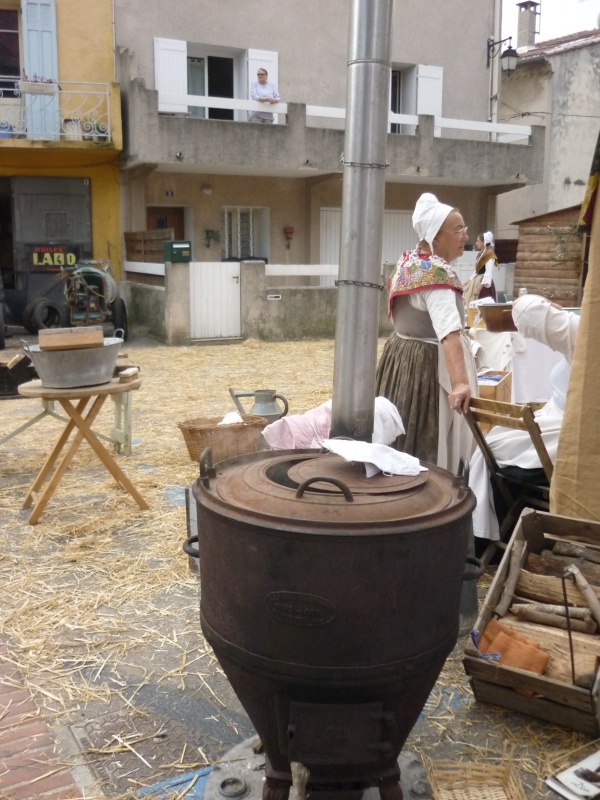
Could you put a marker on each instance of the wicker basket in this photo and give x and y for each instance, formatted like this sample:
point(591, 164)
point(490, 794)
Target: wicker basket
point(225, 441)
point(461, 780)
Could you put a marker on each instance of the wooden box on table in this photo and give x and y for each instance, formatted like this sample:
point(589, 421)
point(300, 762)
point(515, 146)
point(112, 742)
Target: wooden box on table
point(500, 391)
point(552, 699)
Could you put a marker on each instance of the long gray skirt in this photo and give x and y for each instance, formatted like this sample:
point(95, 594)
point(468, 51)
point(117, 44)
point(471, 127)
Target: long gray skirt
point(407, 375)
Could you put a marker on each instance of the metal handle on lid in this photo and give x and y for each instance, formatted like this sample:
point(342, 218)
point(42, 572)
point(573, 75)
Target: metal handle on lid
point(335, 481)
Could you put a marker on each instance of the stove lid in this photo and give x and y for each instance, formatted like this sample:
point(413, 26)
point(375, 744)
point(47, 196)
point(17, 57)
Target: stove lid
point(286, 488)
point(353, 475)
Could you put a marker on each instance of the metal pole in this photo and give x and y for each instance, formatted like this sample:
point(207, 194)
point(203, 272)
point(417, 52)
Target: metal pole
point(363, 198)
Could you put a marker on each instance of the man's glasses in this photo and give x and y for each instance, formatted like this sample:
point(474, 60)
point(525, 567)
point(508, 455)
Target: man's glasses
point(261, 74)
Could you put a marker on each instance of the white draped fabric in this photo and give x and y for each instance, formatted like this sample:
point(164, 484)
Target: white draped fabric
point(537, 319)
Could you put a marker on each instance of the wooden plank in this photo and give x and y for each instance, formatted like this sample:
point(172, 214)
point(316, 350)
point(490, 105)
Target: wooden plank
point(539, 708)
point(71, 338)
point(558, 691)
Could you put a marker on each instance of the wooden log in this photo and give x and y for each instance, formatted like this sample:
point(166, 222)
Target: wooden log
point(586, 591)
point(554, 620)
point(556, 566)
point(548, 589)
point(563, 548)
point(548, 608)
point(517, 558)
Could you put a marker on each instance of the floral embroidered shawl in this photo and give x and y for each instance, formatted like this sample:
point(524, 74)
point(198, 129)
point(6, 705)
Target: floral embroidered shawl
point(416, 272)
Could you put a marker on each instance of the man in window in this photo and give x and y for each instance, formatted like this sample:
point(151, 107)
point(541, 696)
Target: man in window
point(264, 92)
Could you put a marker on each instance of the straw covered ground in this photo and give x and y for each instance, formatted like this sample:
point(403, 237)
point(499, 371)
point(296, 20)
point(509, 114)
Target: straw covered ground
point(97, 602)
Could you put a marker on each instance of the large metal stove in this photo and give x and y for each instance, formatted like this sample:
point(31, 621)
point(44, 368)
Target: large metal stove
point(331, 602)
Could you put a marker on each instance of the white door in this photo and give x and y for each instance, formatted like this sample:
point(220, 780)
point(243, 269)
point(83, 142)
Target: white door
point(215, 300)
point(331, 231)
point(398, 235)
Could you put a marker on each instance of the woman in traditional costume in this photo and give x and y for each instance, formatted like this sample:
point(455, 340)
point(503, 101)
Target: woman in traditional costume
point(427, 368)
point(481, 283)
point(535, 318)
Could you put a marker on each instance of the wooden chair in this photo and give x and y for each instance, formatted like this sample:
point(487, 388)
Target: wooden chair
point(517, 494)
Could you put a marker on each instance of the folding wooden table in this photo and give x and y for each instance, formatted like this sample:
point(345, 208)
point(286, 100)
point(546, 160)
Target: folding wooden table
point(74, 402)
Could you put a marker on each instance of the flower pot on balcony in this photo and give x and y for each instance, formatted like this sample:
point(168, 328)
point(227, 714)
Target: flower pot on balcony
point(72, 129)
point(37, 87)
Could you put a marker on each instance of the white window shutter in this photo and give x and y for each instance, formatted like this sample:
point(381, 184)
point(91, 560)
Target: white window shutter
point(430, 91)
point(262, 58)
point(170, 72)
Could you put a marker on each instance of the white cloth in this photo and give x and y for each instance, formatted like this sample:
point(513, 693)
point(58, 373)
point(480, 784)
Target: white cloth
point(376, 457)
point(488, 239)
point(231, 418)
point(557, 329)
point(428, 217)
point(308, 430)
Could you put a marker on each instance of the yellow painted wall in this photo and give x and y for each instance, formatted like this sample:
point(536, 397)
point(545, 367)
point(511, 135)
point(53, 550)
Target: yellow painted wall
point(85, 40)
point(85, 55)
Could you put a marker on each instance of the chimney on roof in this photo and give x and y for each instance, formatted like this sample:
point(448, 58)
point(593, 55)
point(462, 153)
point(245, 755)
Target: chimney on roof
point(526, 30)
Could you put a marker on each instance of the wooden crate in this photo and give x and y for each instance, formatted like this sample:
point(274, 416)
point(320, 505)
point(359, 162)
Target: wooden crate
point(71, 338)
point(500, 391)
point(555, 701)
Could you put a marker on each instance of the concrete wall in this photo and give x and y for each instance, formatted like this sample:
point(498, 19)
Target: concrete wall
point(311, 39)
point(301, 312)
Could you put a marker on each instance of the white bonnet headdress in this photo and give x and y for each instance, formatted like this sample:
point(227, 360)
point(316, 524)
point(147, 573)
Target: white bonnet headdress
point(488, 239)
point(428, 217)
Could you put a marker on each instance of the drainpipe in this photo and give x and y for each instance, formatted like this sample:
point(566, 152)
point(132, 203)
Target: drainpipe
point(363, 198)
point(494, 87)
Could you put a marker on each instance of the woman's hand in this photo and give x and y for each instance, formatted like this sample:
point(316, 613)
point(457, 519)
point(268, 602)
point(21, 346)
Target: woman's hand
point(460, 397)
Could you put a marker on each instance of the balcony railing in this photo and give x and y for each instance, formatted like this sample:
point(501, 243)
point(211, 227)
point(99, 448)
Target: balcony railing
point(49, 111)
point(327, 117)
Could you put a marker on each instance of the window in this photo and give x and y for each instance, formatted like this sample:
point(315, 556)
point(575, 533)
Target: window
point(10, 56)
point(245, 233)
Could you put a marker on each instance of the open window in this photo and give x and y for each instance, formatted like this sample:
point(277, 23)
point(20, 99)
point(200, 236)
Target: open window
point(192, 68)
point(416, 89)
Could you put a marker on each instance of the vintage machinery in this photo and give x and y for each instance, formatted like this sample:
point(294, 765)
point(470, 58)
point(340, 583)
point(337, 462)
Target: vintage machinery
point(90, 298)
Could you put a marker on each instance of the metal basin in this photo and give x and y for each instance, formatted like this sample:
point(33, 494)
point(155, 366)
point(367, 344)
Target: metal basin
point(70, 369)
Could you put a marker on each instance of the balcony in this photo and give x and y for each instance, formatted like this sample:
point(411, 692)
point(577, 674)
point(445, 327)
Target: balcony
point(309, 140)
point(63, 116)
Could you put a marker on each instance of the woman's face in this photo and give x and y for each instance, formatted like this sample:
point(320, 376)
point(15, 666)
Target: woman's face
point(451, 238)
point(479, 243)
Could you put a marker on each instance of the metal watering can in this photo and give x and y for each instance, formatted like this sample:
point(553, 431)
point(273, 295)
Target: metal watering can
point(265, 403)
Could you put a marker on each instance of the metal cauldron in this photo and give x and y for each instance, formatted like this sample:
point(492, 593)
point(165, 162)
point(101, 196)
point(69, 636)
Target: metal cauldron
point(331, 601)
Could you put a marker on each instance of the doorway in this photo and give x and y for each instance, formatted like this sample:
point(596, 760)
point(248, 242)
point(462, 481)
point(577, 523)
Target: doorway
point(160, 218)
point(220, 84)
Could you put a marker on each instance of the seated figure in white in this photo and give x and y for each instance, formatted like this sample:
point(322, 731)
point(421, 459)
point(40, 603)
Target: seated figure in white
point(535, 318)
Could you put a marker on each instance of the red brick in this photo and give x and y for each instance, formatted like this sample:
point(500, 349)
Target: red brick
point(22, 783)
point(24, 730)
point(40, 751)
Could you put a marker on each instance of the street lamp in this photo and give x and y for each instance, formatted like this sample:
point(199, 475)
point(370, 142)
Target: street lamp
point(508, 59)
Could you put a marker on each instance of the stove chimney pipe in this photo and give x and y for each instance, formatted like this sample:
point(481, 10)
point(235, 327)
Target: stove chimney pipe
point(363, 200)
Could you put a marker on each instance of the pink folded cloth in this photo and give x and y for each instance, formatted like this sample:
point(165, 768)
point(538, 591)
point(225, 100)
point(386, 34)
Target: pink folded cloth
point(300, 431)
